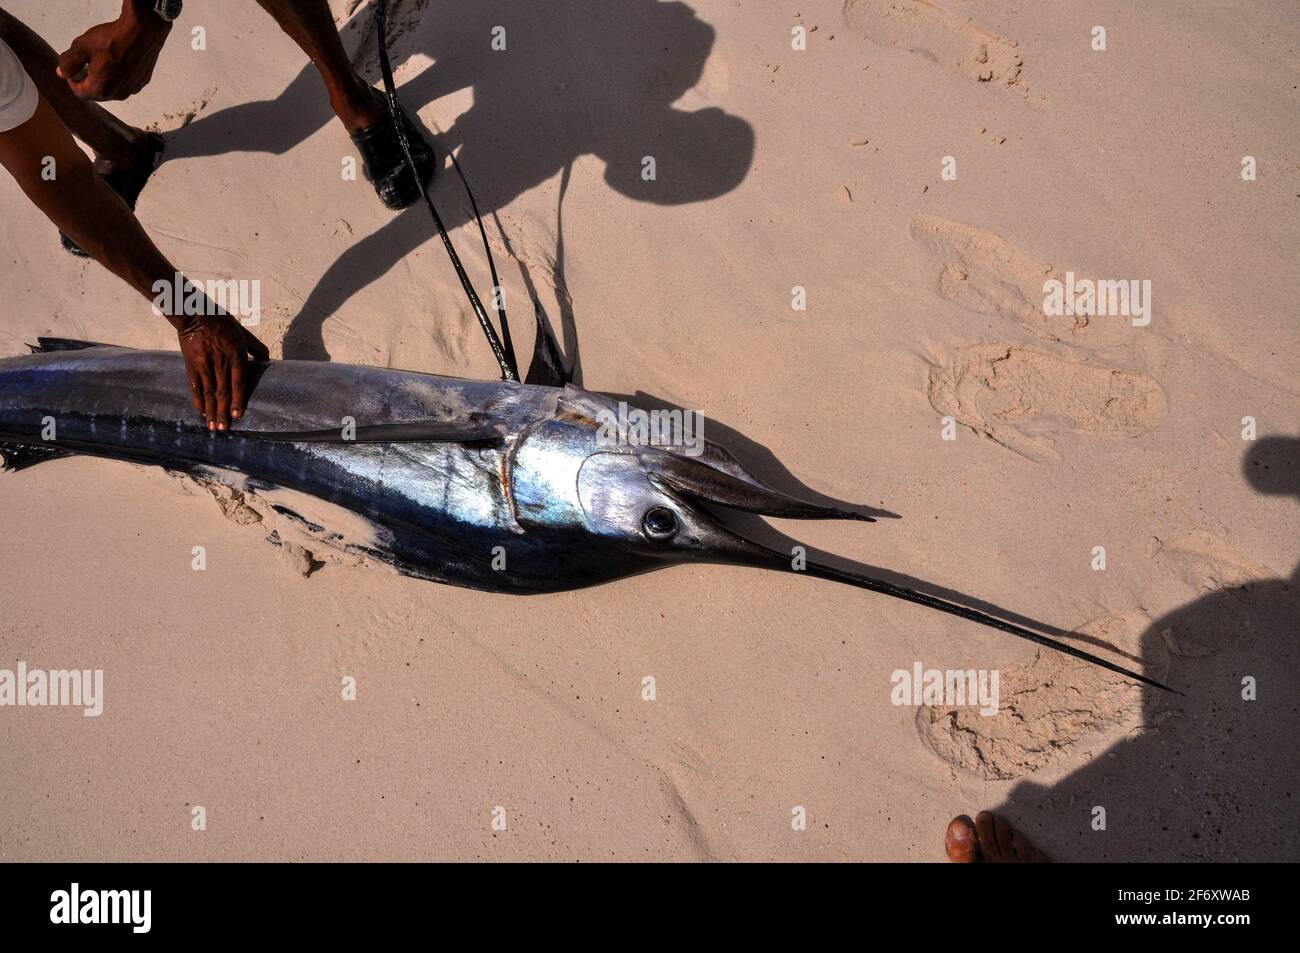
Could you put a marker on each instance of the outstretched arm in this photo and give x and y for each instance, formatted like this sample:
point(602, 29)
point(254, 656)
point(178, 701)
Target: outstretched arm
point(115, 60)
point(215, 345)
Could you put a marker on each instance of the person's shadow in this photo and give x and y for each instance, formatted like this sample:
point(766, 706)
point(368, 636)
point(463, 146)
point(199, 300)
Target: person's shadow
point(1216, 777)
point(576, 78)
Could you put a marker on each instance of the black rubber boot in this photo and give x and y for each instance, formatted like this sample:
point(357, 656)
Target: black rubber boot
point(385, 165)
point(129, 185)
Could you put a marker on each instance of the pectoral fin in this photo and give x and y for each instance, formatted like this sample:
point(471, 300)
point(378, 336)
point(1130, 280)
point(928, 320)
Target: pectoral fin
point(17, 456)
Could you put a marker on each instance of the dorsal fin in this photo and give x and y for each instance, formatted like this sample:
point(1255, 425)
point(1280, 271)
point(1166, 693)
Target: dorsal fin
point(46, 345)
point(547, 367)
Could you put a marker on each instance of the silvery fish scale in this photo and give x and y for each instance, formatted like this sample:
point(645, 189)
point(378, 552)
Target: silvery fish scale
point(493, 485)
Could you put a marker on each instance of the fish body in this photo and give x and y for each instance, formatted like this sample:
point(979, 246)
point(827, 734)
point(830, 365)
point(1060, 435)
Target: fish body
point(443, 510)
point(494, 485)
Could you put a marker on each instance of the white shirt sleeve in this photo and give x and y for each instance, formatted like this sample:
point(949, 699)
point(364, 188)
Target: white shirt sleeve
point(18, 95)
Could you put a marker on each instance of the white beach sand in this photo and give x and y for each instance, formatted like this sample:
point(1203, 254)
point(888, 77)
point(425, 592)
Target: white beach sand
point(776, 168)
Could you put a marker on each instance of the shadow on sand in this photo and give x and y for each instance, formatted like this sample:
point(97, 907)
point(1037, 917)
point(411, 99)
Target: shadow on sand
point(577, 78)
point(1217, 777)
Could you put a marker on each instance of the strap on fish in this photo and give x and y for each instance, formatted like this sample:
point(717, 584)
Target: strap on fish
point(503, 352)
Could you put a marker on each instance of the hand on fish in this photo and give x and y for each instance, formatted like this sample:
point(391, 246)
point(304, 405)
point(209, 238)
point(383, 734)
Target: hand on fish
point(216, 349)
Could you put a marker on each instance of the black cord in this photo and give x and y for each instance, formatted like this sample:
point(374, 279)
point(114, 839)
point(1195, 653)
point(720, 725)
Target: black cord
point(504, 354)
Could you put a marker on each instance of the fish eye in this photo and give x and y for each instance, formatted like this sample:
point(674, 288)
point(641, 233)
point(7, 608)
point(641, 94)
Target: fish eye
point(659, 522)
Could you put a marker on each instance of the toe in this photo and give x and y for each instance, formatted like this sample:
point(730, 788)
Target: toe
point(960, 841)
point(1021, 847)
point(1006, 837)
point(990, 851)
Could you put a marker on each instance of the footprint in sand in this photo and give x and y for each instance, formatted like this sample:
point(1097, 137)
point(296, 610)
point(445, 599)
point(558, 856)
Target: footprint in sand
point(1022, 397)
point(1206, 562)
point(984, 273)
point(1053, 709)
point(953, 41)
point(303, 544)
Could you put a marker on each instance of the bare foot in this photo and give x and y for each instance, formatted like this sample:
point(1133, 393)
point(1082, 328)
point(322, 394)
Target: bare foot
point(990, 839)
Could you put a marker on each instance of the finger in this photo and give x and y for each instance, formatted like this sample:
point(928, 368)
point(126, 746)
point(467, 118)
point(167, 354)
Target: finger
point(143, 78)
point(128, 86)
point(256, 347)
point(1002, 828)
point(207, 381)
point(72, 61)
point(92, 87)
point(223, 373)
point(88, 82)
point(196, 385)
point(988, 840)
point(238, 390)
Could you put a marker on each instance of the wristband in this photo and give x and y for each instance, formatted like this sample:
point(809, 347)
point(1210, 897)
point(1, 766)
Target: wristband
point(169, 10)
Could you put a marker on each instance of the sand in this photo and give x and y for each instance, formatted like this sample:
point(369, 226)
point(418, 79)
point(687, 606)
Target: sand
point(776, 169)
